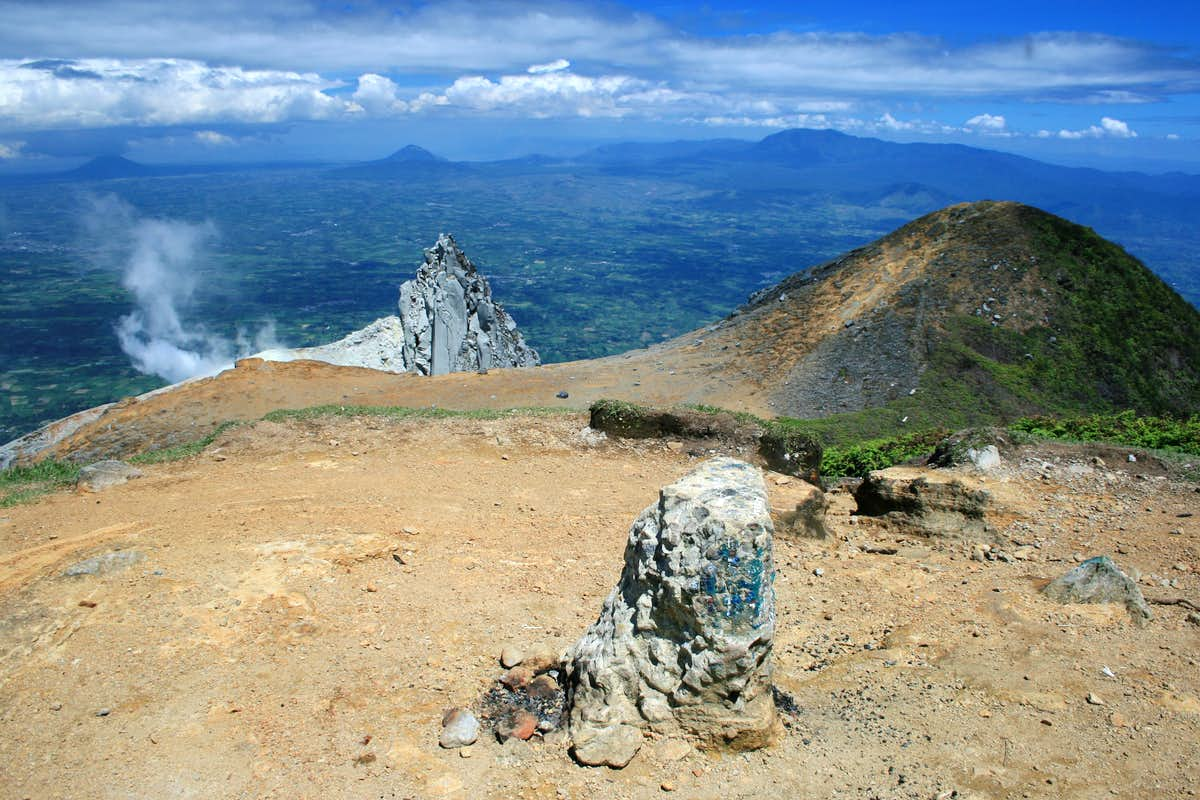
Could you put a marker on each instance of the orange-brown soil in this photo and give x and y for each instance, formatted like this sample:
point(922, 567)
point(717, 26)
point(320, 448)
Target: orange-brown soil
point(268, 644)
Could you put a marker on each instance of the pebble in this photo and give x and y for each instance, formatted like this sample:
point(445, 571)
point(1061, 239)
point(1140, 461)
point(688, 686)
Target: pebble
point(459, 728)
point(1094, 699)
point(1194, 617)
point(522, 726)
point(667, 786)
point(511, 657)
point(56, 706)
point(818, 572)
point(104, 712)
point(464, 752)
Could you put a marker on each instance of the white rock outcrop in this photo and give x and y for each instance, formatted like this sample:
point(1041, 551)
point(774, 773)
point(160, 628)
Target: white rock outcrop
point(683, 643)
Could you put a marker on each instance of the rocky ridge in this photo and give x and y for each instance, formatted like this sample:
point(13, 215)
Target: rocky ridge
point(448, 322)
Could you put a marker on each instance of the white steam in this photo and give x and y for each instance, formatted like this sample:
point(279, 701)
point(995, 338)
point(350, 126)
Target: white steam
point(158, 258)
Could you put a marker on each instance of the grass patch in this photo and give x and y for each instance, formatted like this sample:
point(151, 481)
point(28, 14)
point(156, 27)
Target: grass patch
point(405, 412)
point(185, 450)
point(1124, 428)
point(23, 484)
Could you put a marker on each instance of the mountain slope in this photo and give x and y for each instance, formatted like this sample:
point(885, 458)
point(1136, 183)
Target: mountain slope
point(974, 314)
point(986, 310)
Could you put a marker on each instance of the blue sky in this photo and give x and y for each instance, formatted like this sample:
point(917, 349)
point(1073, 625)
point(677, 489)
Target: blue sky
point(1104, 84)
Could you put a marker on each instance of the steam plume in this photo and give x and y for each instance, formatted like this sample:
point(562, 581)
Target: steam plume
point(158, 258)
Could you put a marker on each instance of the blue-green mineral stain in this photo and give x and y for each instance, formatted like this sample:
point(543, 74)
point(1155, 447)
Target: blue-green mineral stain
point(737, 586)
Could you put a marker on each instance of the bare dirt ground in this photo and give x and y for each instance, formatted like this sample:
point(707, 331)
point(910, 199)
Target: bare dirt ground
point(256, 635)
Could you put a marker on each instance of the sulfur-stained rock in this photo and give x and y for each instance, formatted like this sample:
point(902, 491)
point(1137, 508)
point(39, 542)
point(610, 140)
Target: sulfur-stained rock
point(683, 643)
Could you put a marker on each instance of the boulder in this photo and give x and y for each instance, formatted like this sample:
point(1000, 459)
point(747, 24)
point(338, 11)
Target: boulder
point(683, 644)
point(926, 502)
point(104, 474)
point(975, 447)
point(1098, 580)
point(799, 510)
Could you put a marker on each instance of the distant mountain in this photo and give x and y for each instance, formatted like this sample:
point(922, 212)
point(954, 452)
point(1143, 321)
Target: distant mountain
point(109, 167)
point(413, 153)
point(408, 163)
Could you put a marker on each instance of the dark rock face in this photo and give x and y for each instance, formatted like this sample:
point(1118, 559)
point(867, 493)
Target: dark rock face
point(683, 643)
point(929, 504)
point(1098, 580)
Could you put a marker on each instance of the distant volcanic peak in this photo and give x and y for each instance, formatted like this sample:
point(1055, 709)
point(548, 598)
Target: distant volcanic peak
point(111, 167)
point(413, 153)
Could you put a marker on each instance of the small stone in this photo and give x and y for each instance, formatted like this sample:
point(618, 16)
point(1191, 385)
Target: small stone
point(459, 728)
point(370, 587)
point(522, 726)
point(1094, 699)
point(87, 603)
point(1132, 458)
point(104, 712)
point(543, 687)
point(1118, 720)
point(1194, 617)
point(511, 657)
point(818, 572)
point(985, 713)
point(667, 786)
point(464, 752)
point(562, 395)
point(56, 706)
point(517, 677)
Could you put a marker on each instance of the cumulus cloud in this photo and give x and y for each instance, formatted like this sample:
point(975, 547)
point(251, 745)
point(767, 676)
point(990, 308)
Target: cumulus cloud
point(987, 122)
point(10, 150)
point(1108, 128)
point(97, 93)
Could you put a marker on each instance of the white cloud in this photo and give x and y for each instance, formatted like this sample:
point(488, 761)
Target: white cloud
point(10, 150)
point(554, 66)
point(1117, 129)
point(378, 95)
point(1173, 136)
point(94, 93)
point(987, 122)
point(213, 138)
point(1108, 128)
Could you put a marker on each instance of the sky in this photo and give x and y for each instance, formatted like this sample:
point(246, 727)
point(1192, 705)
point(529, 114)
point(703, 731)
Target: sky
point(1104, 84)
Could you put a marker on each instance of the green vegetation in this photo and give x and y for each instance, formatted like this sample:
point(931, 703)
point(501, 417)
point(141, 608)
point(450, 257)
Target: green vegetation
point(22, 484)
point(405, 412)
point(857, 460)
point(184, 450)
point(1124, 428)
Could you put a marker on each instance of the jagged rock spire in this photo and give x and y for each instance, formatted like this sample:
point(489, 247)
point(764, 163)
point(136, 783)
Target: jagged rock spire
point(451, 323)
